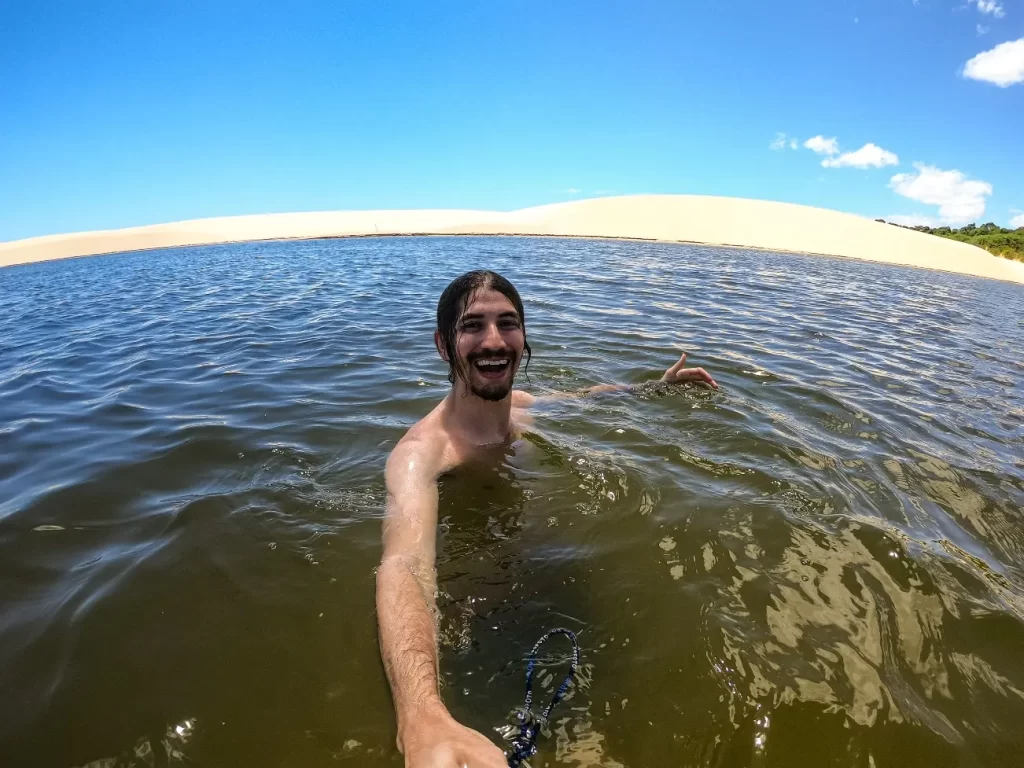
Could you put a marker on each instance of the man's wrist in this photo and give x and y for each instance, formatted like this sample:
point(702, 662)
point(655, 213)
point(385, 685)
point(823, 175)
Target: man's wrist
point(418, 721)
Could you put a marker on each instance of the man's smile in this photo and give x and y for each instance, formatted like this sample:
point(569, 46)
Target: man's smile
point(493, 367)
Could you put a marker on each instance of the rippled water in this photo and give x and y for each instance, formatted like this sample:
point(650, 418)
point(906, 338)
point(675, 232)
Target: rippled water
point(820, 564)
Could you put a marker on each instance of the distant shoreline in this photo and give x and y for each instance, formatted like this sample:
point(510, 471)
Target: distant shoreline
point(381, 236)
point(679, 219)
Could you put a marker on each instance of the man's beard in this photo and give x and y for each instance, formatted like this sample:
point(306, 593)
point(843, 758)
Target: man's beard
point(492, 391)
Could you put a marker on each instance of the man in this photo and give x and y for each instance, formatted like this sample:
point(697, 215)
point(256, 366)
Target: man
point(481, 334)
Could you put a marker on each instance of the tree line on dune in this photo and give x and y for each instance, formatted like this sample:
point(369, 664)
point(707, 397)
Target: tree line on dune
point(1008, 243)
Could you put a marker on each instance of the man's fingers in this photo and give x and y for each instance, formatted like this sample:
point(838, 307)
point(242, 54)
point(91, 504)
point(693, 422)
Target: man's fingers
point(697, 374)
point(678, 365)
point(706, 378)
point(678, 373)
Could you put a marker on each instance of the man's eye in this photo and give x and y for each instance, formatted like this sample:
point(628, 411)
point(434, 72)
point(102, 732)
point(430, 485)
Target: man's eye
point(509, 324)
point(472, 326)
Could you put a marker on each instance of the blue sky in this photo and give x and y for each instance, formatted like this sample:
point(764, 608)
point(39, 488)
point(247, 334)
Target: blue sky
point(120, 114)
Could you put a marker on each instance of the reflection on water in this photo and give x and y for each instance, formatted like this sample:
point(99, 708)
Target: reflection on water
point(155, 751)
point(820, 564)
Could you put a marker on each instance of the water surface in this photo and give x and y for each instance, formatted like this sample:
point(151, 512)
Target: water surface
point(820, 564)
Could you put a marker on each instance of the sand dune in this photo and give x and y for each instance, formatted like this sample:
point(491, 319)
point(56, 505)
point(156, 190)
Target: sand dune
point(671, 218)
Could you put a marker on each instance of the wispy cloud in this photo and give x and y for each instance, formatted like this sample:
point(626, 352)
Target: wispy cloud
point(990, 7)
point(573, 191)
point(1018, 220)
point(782, 141)
point(1002, 66)
point(868, 156)
point(960, 200)
point(823, 146)
point(982, 30)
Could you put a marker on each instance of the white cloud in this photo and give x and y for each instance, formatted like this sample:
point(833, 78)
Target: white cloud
point(982, 30)
point(960, 200)
point(573, 191)
point(868, 156)
point(1003, 65)
point(1017, 221)
point(990, 7)
point(823, 146)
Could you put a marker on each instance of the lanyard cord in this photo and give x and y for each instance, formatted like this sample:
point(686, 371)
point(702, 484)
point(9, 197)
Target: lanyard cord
point(525, 744)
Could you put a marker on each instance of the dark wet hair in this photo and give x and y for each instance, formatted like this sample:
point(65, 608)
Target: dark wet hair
point(453, 302)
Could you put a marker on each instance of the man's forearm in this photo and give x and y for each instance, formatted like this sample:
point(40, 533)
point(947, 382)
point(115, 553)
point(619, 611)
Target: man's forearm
point(595, 390)
point(408, 641)
point(600, 388)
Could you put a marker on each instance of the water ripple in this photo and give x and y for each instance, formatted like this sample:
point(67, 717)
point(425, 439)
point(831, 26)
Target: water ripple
point(822, 563)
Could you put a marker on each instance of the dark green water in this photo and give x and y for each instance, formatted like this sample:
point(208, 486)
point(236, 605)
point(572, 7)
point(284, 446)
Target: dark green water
point(820, 565)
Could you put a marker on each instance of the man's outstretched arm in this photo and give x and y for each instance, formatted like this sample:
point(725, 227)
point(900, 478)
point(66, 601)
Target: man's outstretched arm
point(676, 373)
point(428, 736)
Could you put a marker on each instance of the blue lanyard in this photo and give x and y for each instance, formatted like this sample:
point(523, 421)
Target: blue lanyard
point(525, 744)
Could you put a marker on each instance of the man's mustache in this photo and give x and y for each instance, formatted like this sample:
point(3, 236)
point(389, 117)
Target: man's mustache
point(509, 353)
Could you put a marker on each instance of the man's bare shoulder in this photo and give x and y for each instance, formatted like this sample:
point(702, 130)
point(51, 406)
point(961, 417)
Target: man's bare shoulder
point(521, 399)
point(424, 449)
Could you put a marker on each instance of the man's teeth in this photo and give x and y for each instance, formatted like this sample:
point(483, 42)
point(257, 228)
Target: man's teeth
point(503, 361)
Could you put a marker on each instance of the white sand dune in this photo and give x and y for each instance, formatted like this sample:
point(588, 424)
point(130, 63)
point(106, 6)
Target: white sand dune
point(669, 218)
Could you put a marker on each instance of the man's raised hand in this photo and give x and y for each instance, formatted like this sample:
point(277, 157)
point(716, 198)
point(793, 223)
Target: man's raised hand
point(677, 374)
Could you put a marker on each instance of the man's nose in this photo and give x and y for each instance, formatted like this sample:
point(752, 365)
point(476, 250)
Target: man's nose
point(492, 338)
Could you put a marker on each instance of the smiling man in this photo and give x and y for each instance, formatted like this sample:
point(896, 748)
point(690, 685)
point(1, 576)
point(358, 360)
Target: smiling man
point(481, 334)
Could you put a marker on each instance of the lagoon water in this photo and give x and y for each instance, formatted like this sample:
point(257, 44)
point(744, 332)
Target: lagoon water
point(821, 564)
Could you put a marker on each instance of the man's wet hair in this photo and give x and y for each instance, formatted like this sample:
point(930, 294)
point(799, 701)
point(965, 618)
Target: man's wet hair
point(452, 306)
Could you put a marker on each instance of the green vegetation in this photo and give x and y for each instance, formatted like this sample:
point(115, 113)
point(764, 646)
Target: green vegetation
point(1008, 243)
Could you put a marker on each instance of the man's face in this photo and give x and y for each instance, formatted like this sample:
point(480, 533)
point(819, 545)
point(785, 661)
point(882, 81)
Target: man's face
point(489, 342)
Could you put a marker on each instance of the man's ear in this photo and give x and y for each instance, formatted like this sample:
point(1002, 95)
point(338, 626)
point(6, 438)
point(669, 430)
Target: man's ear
point(440, 346)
